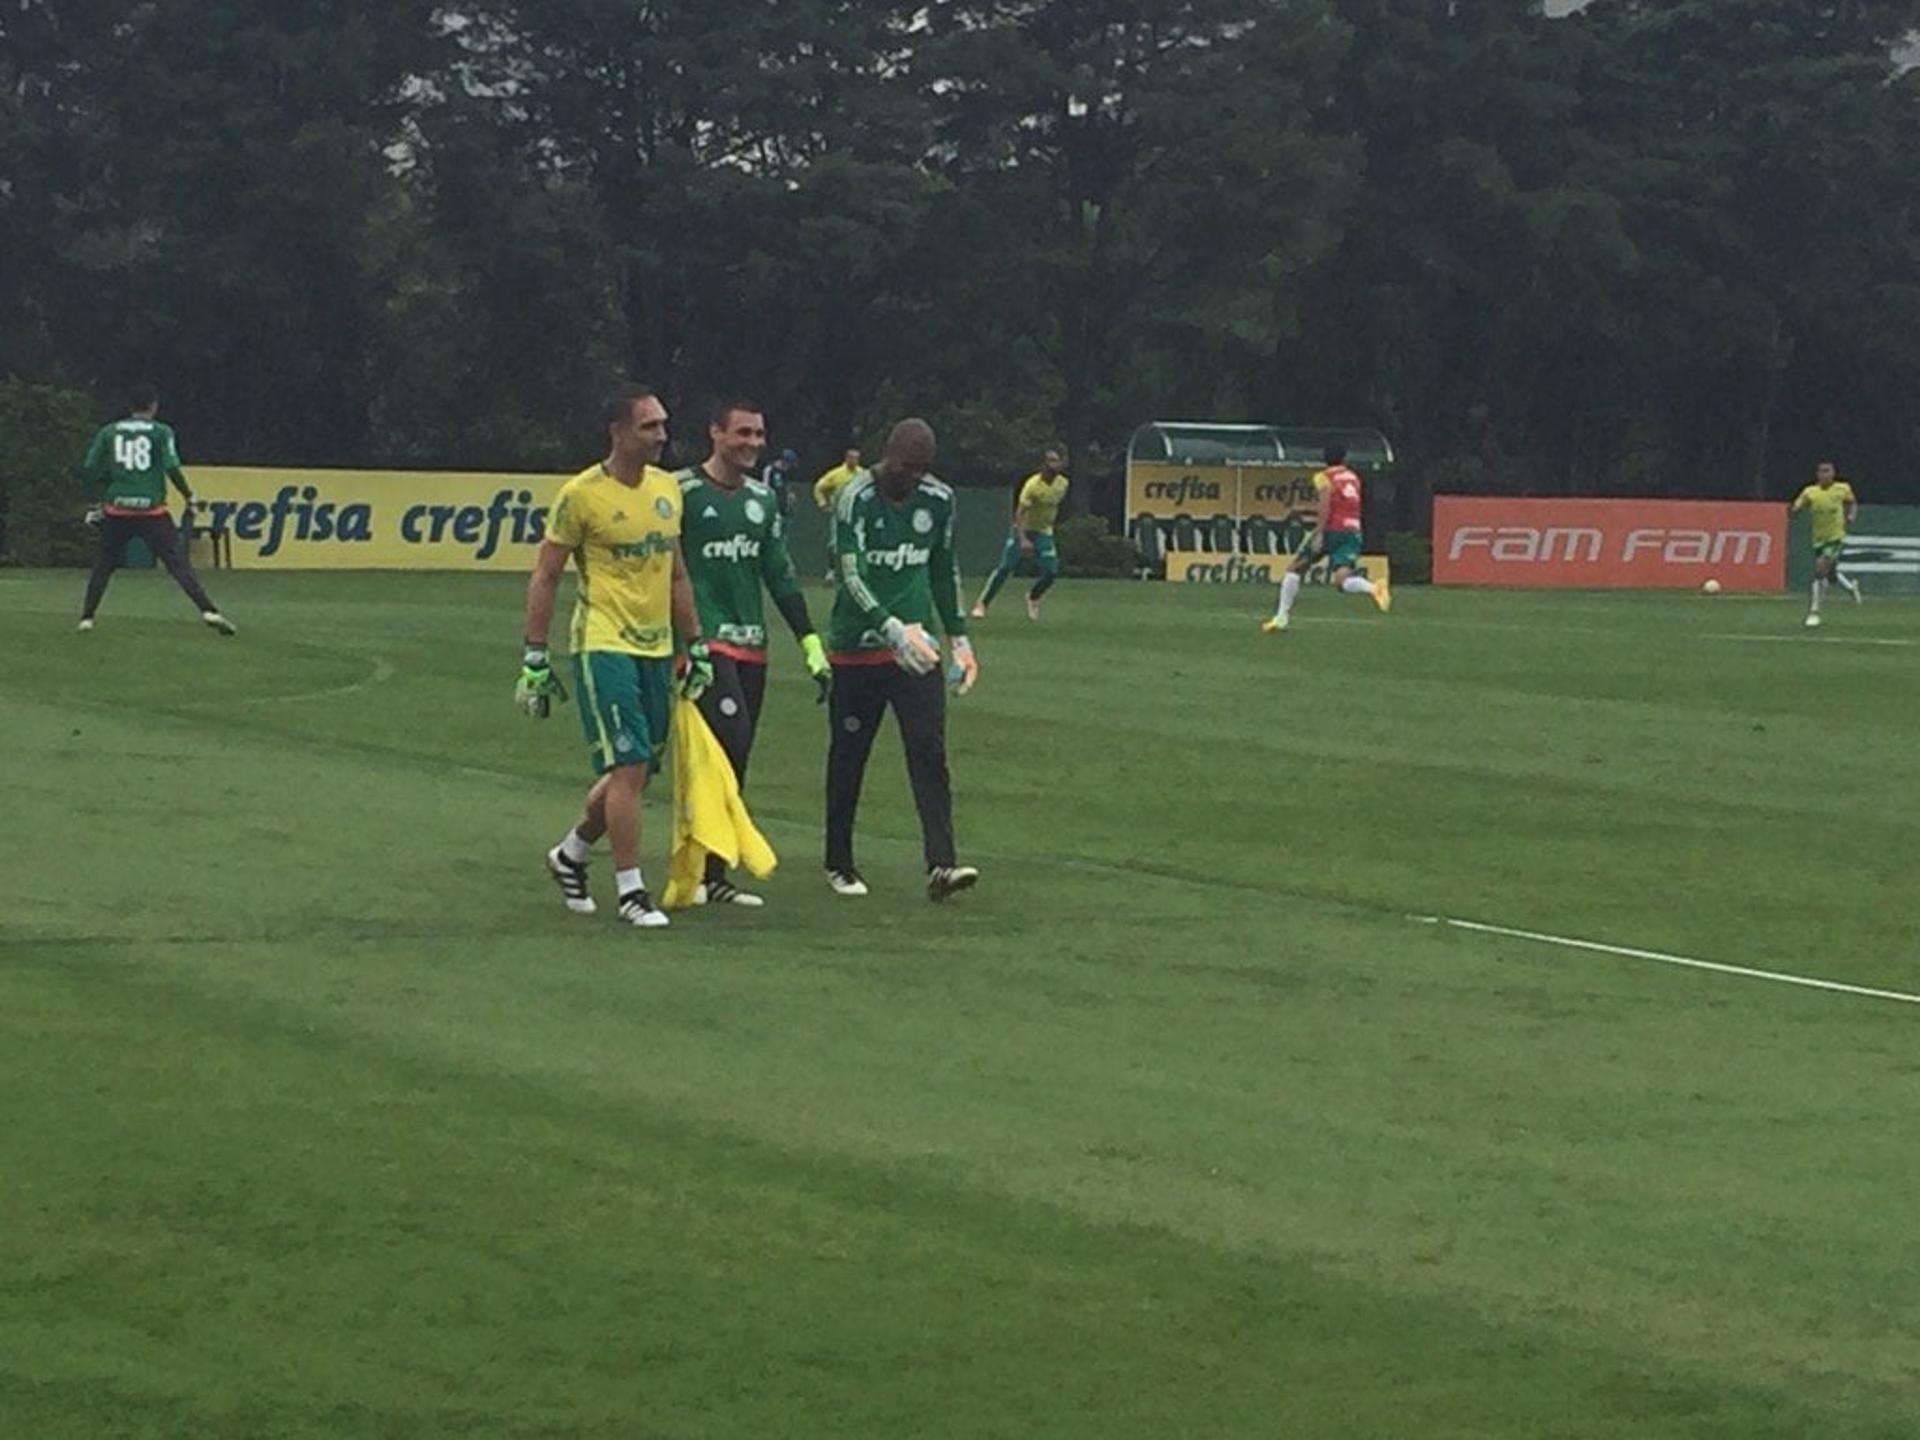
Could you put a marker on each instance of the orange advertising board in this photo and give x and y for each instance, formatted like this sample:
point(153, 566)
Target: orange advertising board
point(1638, 544)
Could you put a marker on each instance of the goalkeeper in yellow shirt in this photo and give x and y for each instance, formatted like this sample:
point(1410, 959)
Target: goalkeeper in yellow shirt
point(1830, 499)
point(618, 522)
point(1035, 512)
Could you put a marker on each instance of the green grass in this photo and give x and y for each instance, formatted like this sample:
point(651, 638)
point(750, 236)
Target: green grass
point(324, 1119)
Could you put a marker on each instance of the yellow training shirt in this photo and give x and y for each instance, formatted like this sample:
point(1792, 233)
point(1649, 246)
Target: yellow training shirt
point(1829, 505)
point(828, 485)
point(622, 538)
point(1041, 499)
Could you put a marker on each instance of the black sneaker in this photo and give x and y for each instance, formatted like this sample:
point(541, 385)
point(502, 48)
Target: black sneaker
point(571, 877)
point(945, 880)
point(846, 882)
point(637, 908)
point(725, 892)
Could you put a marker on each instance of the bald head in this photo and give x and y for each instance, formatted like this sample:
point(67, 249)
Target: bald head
point(908, 454)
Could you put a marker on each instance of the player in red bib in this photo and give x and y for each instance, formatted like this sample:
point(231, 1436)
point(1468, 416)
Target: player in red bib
point(1337, 537)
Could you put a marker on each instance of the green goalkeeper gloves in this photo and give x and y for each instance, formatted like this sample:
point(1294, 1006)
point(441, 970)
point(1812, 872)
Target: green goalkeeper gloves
point(538, 687)
point(817, 665)
point(696, 670)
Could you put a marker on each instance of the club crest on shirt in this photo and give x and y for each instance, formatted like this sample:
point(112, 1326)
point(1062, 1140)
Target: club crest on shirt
point(663, 507)
point(756, 512)
point(922, 521)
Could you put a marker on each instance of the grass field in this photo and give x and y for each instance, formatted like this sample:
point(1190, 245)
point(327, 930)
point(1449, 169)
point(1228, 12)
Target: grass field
point(324, 1119)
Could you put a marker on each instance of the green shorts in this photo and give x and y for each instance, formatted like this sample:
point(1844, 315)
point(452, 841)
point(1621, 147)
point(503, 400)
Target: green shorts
point(1830, 549)
point(624, 704)
point(1046, 554)
point(1342, 549)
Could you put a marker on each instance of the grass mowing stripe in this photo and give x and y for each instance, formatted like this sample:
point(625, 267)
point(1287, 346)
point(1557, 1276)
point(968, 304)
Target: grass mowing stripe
point(1567, 942)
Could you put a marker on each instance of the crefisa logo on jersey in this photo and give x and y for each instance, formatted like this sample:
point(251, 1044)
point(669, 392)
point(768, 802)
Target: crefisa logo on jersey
point(735, 548)
point(900, 556)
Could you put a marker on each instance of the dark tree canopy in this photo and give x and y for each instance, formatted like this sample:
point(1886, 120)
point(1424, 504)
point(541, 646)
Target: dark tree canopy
point(1657, 247)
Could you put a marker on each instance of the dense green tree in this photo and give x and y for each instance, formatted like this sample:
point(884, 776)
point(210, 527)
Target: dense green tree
point(1656, 247)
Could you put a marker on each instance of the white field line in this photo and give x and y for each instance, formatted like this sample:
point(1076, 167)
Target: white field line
point(1809, 640)
point(381, 673)
point(1568, 942)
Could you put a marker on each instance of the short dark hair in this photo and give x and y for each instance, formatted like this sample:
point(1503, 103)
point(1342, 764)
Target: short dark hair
point(618, 406)
point(724, 407)
point(1334, 454)
point(142, 397)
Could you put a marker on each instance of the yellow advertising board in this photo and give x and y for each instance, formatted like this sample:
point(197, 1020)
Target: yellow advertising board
point(1279, 492)
point(1200, 567)
point(371, 519)
point(1202, 491)
point(1274, 492)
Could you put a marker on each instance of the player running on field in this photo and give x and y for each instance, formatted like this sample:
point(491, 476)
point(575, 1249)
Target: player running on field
point(893, 533)
point(129, 464)
point(619, 522)
point(1038, 507)
point(735, 541)
point(1831, 501)
point(1337, 537)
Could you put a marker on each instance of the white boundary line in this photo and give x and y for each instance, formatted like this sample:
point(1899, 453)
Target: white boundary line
point(381, 673)
point(1806, 640)
point(1567, 942)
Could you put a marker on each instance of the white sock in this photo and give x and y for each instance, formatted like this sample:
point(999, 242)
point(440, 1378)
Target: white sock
point(1853, 586)
point(625, 882)
point(1356, 585)
point(1819, 591)
point(573, 848)
point(1289, 588)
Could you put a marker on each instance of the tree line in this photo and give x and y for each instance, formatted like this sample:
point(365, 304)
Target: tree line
point(1663, 246)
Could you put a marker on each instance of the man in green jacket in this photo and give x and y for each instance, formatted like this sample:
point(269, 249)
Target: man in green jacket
point(893, 549)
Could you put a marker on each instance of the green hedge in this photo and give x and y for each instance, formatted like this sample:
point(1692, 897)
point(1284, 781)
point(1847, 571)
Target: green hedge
point(41, 499)
point(1410, 554)
point(1089, 549)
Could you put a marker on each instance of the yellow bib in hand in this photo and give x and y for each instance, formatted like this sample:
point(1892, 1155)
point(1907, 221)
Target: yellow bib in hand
point(709, 817)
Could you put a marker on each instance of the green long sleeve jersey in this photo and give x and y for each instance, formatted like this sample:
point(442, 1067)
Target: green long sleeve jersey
point(735, 544)
point(894, 558)
point(129, 462)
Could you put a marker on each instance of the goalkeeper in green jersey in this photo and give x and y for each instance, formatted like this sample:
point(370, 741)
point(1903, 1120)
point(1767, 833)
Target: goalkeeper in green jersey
point(128, 465)
point(893, 543)
point(735, 541)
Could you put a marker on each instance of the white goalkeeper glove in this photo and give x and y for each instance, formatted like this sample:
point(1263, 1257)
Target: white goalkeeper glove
point(962, 668)
point(913, 649)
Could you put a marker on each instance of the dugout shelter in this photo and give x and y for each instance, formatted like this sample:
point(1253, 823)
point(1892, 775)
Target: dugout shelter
point(1198, 487)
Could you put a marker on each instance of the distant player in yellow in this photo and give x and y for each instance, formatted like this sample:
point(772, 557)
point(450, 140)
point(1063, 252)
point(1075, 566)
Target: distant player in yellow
point(1830, 499)
point(619, 522)
point(1034, 514)
point(826, 488)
